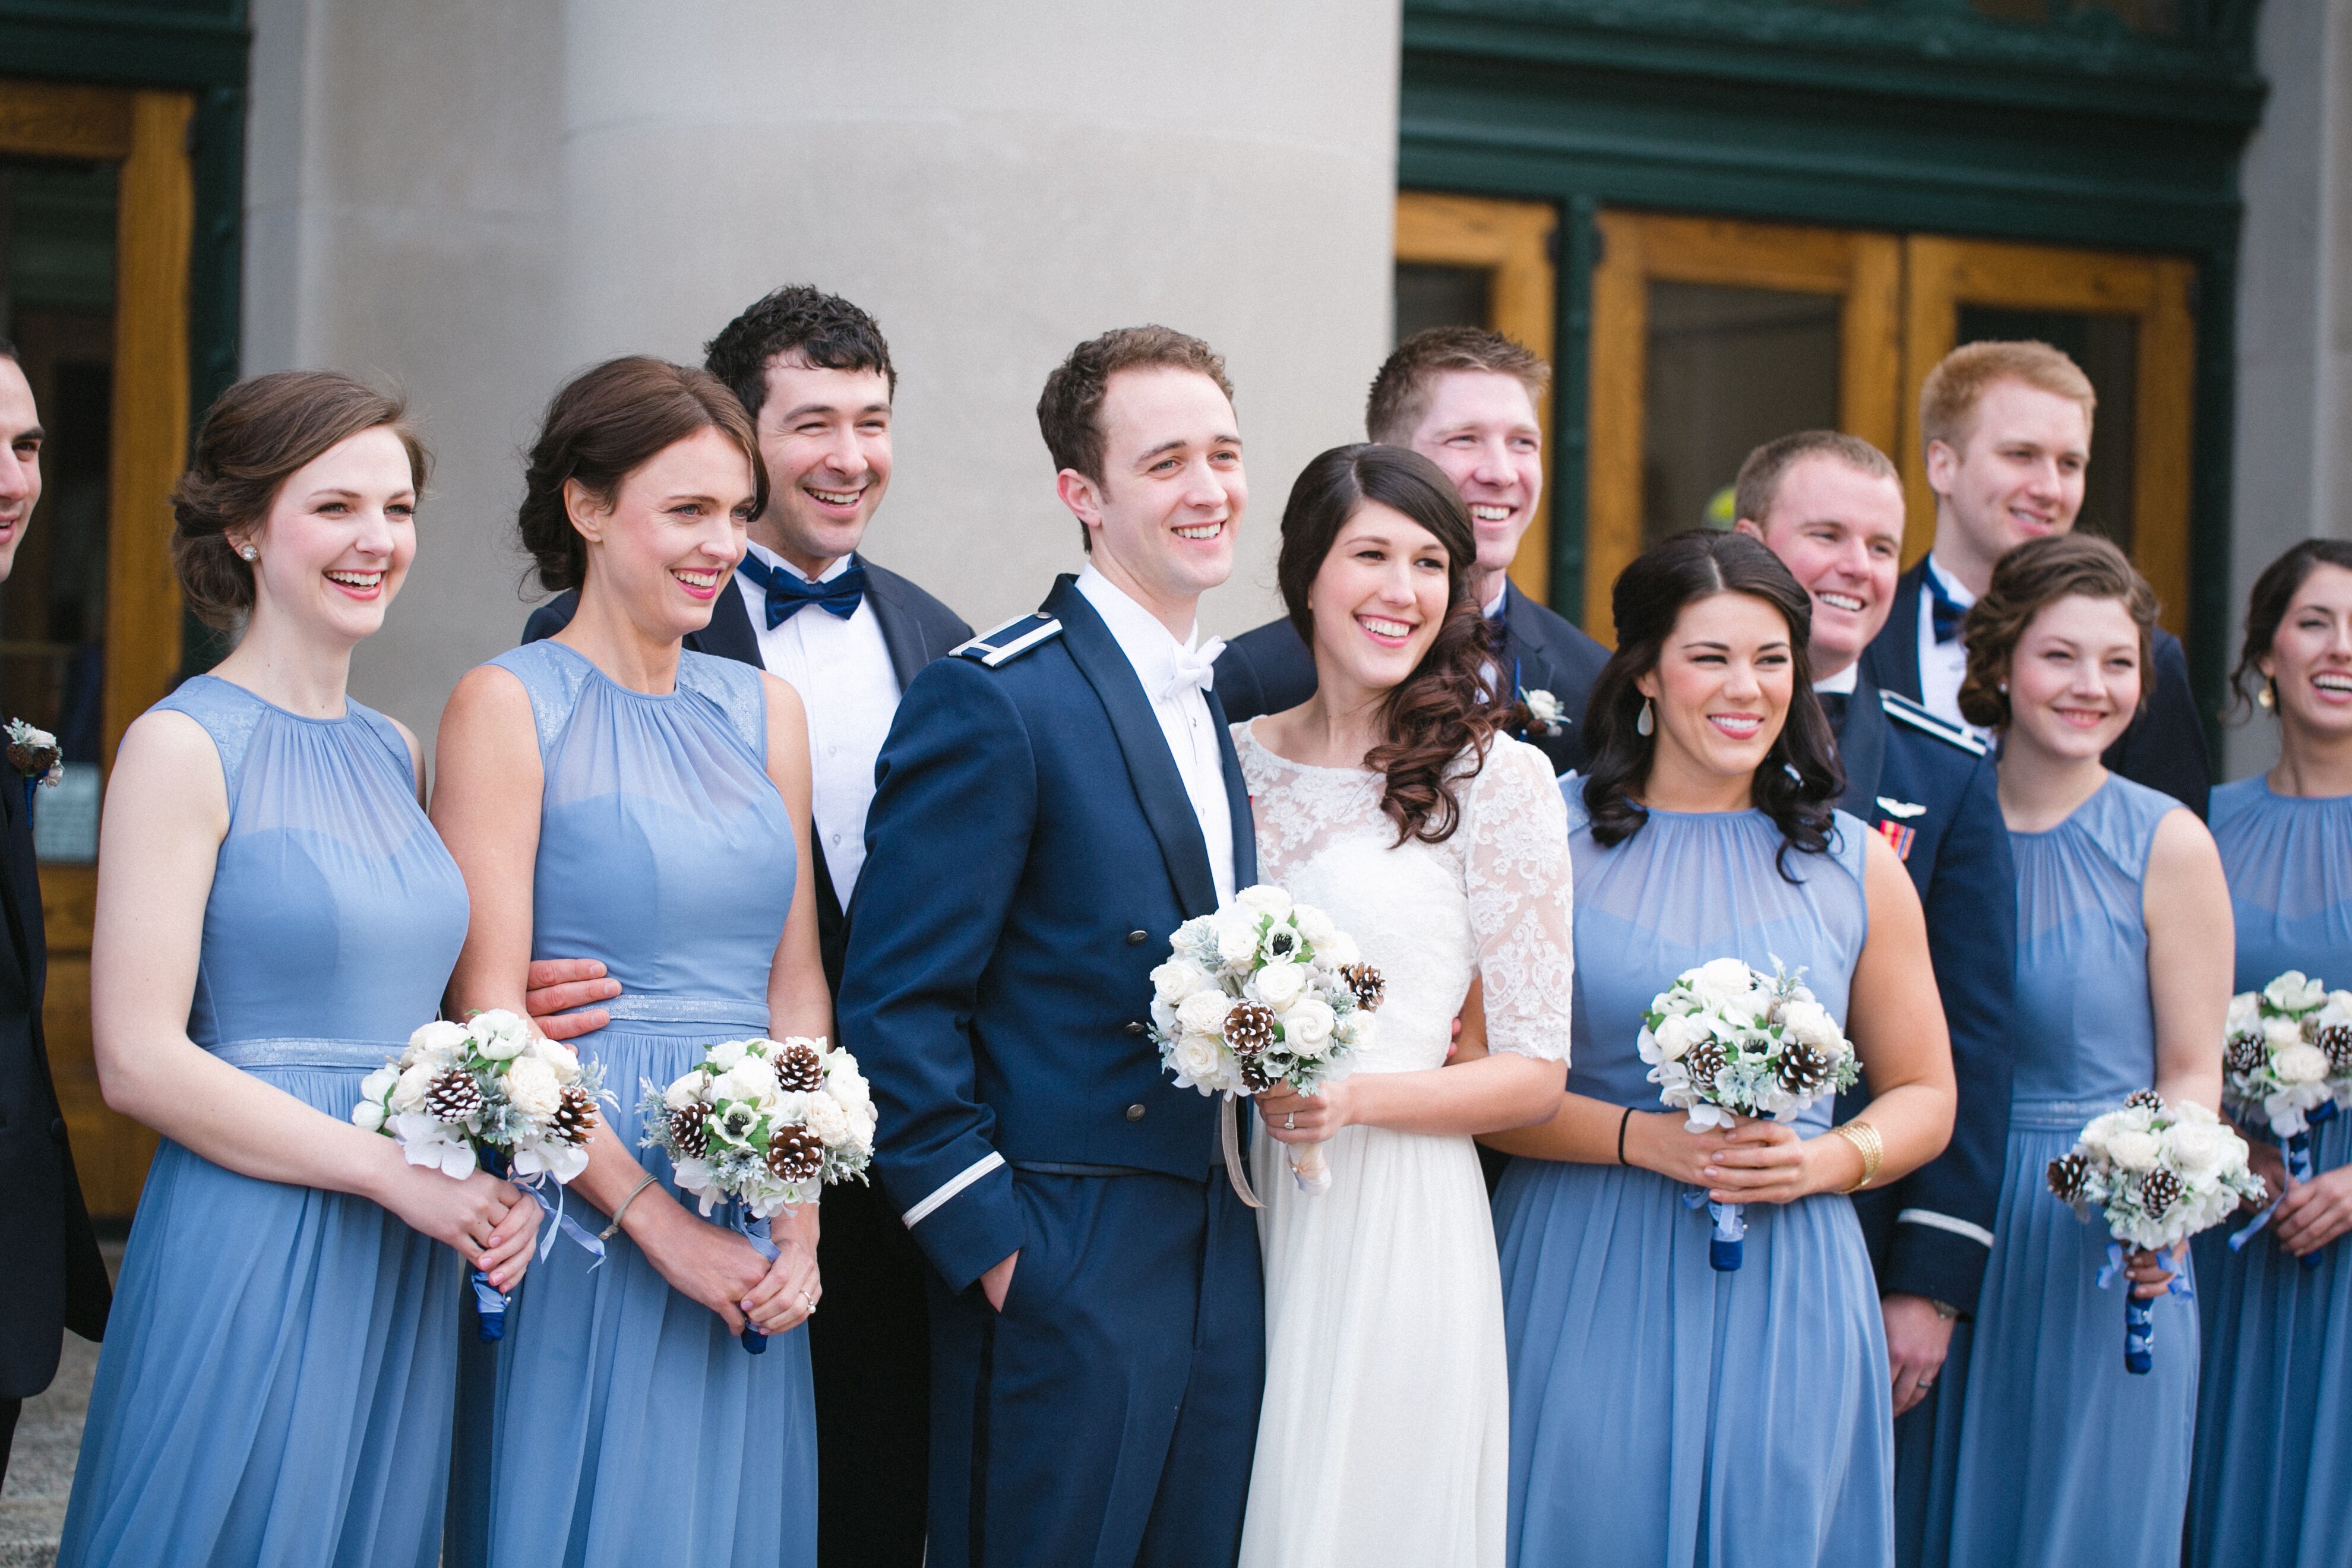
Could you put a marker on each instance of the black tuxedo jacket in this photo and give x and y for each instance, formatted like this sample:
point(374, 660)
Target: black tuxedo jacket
point(2163, 749)
point(1269, 669)
point(56, 1279)
point(1928, 787)
point(916, 627)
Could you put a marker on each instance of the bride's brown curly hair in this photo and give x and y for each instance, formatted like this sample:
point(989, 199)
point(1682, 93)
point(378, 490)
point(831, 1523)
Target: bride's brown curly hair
point(1448, 705)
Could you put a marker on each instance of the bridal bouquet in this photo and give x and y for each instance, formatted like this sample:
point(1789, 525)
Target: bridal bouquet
point(2157, 1174)
point(2287, 1060)
point(1264, 992)
point(766, 1124)
point(1726, 1042)
point(488, 1092)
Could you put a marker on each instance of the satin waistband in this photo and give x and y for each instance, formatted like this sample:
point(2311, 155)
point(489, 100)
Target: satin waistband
point(687, 1010)
point(253, 1055)
point(2058, 1115)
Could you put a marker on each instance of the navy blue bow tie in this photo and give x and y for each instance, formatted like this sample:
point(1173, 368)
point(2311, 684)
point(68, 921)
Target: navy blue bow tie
point(788, 593)
point(1948, 613)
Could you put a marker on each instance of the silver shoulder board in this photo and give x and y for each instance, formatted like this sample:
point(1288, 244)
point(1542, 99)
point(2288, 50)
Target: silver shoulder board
point(1902, 710)
point(1011, 640)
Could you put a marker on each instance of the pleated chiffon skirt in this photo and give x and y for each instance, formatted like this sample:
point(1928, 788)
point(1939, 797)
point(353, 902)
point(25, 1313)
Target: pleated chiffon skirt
point(2064, 1456)
point(279, 1375)
point(619, 1424)
point(2273, 1459)
point(1663, 1413)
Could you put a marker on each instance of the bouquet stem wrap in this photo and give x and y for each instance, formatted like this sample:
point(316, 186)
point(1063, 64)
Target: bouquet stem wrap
point(2295, 1149)
point(1724, 1247)
point(1310, 1167)
point(755, 1231)
point(2139, 1321)
point(489, 1304)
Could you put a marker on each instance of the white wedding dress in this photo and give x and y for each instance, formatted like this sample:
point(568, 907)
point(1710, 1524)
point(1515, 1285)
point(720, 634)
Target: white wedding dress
point(1385, 1434)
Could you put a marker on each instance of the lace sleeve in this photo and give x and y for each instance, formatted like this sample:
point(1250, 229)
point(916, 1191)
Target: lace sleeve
point(1517, 876)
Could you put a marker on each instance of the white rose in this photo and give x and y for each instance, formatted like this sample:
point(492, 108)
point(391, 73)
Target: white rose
point(2281, 1033)
point(1810, 1023)
point(1338, 950)
point(726, 1054)
point(2291, 992)
point(1264, 899)
point(438, 1038)
point(2094, 1139)
point(684, 1090)
point(1307, 1028)
point(368, 1116)
point(499, 1034)
point(845, 1082)
point(1672, 1039)
point(827, 1120)
point(1278, 986)
point(1236, 939)
point(533, 1088)
point(2245, 1014)
point(408, 1093)
point(1177, 979)
point(1198, 1060)
point(1203, 1012)
point(378, 1084)
point(861, 1127)
point(2198, 1150)
point(559, 1056)
point(1313, 925)
point(2134, 1151)
point(1722, 982)
point(2299, 1063)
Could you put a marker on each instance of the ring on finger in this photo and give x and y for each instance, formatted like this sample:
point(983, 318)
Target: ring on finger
point(1290, 1121)
point(808, 1302)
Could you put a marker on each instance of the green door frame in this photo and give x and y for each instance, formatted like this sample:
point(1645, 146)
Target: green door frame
point(1902, 115)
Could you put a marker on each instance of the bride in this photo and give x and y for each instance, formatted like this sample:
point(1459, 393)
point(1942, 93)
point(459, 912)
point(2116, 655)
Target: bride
point(1393, 801)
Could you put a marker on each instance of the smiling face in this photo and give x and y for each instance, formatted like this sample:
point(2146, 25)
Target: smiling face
point(666, 546)
point(1721, 689)
point(20, 460)
point(824, 436)
point(2310, 662)
point(1840, 532)
point(2075, 678)
point(1481, 428)
point(1377, 600)
point(1162, 520)
point(336, 543)
point(2018, 476)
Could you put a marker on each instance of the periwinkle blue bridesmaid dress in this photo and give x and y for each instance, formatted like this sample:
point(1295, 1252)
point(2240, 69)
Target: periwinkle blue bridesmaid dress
point(281, 1364)
point(619, 1424)
point(2062, 1455)
point(2273, 1460)
point(1661, 1413)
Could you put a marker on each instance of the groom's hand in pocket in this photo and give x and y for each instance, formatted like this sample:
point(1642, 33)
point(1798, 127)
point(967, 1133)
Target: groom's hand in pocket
point(997, 1282)
point(557, 985)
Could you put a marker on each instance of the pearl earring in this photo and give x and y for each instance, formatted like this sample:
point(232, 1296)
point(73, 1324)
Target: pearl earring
point(2265, 696)
point(248, 553)
point(1642, 723)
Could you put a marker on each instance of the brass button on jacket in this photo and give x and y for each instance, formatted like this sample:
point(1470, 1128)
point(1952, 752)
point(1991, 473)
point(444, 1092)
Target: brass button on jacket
point(1135, 1113)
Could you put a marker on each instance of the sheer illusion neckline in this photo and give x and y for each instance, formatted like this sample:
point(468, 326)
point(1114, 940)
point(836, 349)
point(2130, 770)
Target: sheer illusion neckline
point(675, 684)
point(2068, 820)
point(1249, 733)
point(343, 718)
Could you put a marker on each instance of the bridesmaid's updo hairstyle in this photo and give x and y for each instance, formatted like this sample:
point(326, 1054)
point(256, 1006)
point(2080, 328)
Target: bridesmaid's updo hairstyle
point(609, 422)
point(2034, 575)
point(254, 437)
point(2266, 607)
point(1799, 781)
point(1445, 706)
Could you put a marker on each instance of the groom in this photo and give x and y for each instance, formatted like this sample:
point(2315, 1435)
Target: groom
point(1051, 804)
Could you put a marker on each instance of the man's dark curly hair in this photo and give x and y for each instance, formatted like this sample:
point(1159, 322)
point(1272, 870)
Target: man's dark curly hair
point(829, 332)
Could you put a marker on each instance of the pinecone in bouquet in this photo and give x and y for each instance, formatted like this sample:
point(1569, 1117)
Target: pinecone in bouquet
point(1726, 1041)
point(765, 1124)
point(1266, 992)
point(2288, 1054)
point(2155, 1172)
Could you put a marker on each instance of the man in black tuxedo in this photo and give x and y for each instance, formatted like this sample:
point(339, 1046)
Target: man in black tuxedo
point(815, 375)
point(1830, 507)
point(1465, 398)
point(2007, 428)
point(57, 1280)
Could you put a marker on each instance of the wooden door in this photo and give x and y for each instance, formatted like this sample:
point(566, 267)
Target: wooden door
point(96, 207)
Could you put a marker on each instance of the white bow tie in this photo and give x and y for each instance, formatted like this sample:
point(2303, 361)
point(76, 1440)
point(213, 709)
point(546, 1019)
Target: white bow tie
point(1196, 669)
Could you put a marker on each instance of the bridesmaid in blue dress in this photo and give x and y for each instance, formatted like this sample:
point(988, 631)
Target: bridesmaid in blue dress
point(1663, 1413)
point(612, 795)
point(2273, 1457)
point(2123, 977)
point(274, 918)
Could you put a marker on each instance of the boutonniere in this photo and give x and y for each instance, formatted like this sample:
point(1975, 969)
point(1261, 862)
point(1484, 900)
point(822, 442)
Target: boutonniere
point(34, 753)
point(1546, 715)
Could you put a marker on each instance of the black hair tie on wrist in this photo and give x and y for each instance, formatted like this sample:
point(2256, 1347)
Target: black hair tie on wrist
point(1622, 1122)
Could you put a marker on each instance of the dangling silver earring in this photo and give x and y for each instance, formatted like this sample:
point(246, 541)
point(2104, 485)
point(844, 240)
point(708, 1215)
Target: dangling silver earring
point(248, 553)
point(1642, 722)
point(2265, 696)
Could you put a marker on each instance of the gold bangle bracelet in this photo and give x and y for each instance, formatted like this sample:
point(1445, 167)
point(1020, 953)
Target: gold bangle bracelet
point(1866, 1143)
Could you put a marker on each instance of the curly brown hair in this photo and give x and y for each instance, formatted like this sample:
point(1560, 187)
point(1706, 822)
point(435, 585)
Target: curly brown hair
point(1448, 706)
point(2027, 580)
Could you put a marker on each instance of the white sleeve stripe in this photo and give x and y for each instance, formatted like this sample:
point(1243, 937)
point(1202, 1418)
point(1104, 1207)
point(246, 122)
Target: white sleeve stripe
point(1975, 1233)
point(971, 1174)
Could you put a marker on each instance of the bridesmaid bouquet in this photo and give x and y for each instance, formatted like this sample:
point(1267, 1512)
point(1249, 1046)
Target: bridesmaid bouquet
point(2158, 1173)
point(2287, 1059)
point(488, 1092)
point(1264, 992)
point(1726, 1041)
point(764, 1124)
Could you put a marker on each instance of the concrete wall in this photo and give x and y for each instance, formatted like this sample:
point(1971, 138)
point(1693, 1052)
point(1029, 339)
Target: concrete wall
point(2293, 453)
point(474, 197)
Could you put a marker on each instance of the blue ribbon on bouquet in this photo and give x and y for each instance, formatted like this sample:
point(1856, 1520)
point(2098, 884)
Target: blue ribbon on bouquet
point(2296, 1151)
point(490, 1302)
point(2139, 1323)
point(1724, 1247)
point(754, 1231)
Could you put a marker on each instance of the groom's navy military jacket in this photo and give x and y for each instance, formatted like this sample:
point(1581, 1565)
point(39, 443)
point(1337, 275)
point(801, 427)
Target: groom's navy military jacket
point(1927, 787)
point(1029, 851)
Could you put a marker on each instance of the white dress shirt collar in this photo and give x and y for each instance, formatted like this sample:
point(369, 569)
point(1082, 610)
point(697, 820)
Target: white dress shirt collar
point(1492, 608)
point(775, 561)
point(1146, 640)
point(1954, 589)
point(1844, 681)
